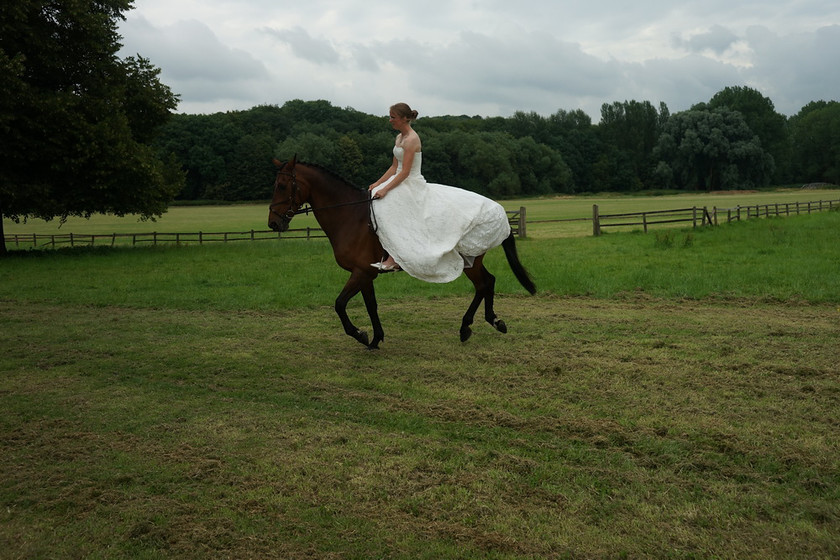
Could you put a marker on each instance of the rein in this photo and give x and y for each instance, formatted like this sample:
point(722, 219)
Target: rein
point(291, 212)
point(307, 209)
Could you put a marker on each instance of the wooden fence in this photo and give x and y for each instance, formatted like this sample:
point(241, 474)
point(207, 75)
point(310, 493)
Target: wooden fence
point(154, 238)
point(766, 210)
point(516, 219)
point(698, 216)
point(52, 240)
point(695, 215)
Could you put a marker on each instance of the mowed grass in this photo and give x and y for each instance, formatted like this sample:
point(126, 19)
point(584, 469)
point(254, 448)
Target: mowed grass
point(669, 395)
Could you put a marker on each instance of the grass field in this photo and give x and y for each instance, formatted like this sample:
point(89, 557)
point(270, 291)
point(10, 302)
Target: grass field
point(669, 395)
point(245, 217)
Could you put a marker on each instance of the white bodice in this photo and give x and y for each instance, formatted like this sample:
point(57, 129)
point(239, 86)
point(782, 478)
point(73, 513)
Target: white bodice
point(416, 166)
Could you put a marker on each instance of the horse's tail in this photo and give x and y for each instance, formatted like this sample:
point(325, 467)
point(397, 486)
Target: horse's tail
point(519, 271)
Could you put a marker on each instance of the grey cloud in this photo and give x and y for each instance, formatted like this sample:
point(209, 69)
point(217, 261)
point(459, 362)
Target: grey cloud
point(479, 68)
point(718, 39)
point(305, 46)
point(195, 64)
point(795, 69)
point(679, 83)
point(189, 50)
point(532, 55)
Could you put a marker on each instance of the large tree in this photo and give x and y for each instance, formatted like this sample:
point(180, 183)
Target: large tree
point(75, 119)
point(631, 130)
point(816, 142)
point(709, 150)
point(761, 116)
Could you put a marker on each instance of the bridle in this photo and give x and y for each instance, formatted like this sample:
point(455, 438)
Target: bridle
point(294, 209)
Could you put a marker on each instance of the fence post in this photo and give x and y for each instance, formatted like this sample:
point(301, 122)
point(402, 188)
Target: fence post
point(521, 221)
point(596, 221)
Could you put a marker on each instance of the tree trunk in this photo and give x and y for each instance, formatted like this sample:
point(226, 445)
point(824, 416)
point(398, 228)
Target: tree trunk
point(2, 236)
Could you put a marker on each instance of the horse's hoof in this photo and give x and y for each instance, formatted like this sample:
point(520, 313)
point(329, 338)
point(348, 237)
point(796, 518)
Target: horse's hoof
point(500, 326)
point(466, 333)
point(362, 337)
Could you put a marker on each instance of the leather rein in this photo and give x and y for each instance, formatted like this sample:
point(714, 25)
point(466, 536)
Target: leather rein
point(292, 200)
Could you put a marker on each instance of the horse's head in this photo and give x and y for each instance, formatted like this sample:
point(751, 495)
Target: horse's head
point(287, 196)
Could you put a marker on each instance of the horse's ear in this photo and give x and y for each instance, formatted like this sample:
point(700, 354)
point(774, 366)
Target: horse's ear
point(276, 162)
point(293, 161)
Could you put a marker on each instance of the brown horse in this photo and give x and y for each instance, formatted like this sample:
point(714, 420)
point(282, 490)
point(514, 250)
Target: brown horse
point(343, 212)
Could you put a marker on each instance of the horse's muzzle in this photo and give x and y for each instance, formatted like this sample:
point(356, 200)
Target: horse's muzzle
point(280, 224)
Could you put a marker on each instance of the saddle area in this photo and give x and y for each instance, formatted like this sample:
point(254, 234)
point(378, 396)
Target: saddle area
point(434, 231)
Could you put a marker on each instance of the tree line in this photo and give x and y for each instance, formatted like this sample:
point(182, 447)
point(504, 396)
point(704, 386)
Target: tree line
point(736, 140)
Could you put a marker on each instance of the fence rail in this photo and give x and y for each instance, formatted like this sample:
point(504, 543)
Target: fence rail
point(701, 216)
point(779, 209)
point(695, 215)
point(53, 240)
point(153, 238)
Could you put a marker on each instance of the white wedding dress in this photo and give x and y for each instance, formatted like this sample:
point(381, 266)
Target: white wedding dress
point(432, 230)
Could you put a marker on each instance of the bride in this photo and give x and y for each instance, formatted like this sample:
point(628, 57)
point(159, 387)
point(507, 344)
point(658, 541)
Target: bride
point(431, 231)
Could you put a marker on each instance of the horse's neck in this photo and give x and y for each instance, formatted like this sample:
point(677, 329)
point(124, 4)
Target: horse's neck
point(325, 190)
point(341, 201)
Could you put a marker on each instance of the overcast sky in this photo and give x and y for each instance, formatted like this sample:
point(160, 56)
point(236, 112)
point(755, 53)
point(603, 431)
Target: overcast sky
point(486, 57)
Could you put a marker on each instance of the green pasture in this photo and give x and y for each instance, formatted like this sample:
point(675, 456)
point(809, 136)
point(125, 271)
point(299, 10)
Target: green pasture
point(665, 395)
point(247, 217)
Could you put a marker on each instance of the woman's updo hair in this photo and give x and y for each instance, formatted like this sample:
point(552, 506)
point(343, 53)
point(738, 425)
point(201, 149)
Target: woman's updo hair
point(403, 110)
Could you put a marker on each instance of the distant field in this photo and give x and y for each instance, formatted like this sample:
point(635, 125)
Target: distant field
point(255, 216)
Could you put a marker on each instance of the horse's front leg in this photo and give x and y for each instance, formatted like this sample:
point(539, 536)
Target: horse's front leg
point(372, 307)
point(364, 283)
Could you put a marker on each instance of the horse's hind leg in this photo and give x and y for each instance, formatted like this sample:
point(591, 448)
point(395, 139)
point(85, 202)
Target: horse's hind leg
point(489, 300)
point(466, 331)
point(485, 284)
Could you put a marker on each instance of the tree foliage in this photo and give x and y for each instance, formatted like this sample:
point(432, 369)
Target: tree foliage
point(635, 146)
point(763, 120)
point(631, 129)
point(76, 120)
point(709, 149)
point(816, 142)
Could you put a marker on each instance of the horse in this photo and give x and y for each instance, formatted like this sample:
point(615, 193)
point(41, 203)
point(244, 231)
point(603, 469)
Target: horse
point(344, 213)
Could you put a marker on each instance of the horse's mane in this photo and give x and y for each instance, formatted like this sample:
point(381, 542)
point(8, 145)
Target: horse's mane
point(331, 173)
